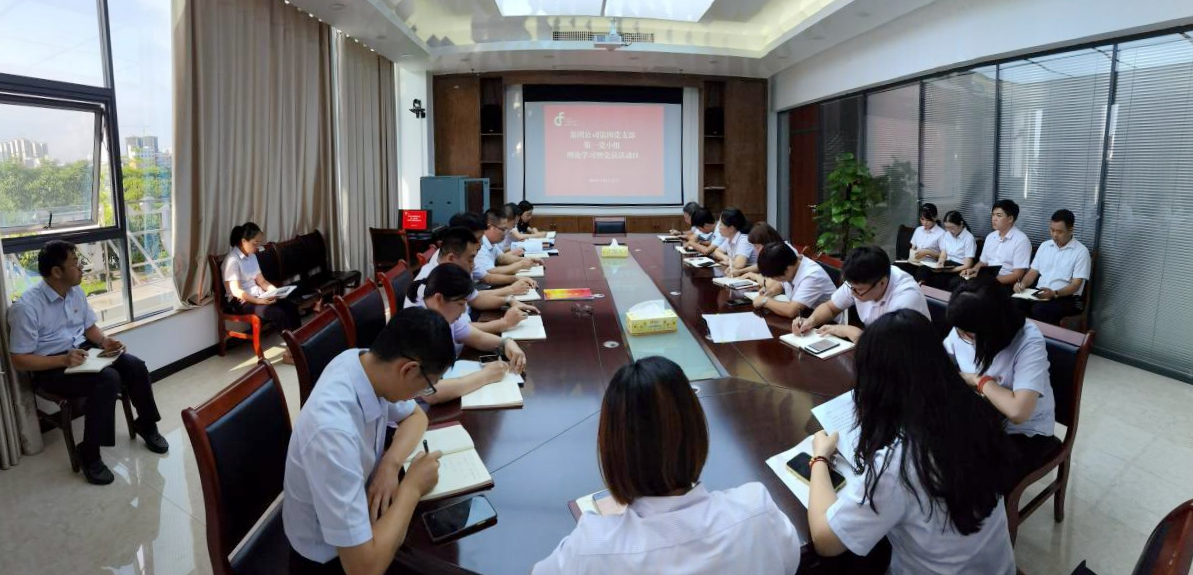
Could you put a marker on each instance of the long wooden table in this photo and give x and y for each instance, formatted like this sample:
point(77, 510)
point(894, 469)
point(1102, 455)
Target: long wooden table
point(544, 455)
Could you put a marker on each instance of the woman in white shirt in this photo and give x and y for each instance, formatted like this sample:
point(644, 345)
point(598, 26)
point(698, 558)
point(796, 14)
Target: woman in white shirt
point(735, 252)
point(925, 241)
point(760, 235)
point(652, 442)
point(1005, 359)
point(930, 484)
point(246, 286)
point(958, 250)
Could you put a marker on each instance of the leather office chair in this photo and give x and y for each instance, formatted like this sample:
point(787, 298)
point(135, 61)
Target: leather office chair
point(389, 248)
point(610, 225)
point(363, 312)
point(313, 346)
point(318, 267)
point(903, 242)
point(1169, 549)
point(396, 281)
point(219, 294)
point(832, 266)
point(1080, 321)
point(240, 438)
point(293, 271)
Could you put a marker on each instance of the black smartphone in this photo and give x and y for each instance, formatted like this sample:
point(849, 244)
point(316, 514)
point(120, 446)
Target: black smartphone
point(799, 466)
point(820, 346)
point(738, 301)
point(489, 358)
point(460, 519)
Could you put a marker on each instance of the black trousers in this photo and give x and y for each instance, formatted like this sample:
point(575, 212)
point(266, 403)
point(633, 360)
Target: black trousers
point(282, 314)
point(101, 390)
point(300, 565)
point(1033, 451)
point(1053, 310)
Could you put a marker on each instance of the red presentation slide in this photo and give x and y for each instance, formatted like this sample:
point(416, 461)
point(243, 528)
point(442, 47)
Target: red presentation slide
point(605, 150)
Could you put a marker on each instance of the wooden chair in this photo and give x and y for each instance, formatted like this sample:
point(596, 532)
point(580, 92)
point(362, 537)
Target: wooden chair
point(240, 438)
point(219, 294)
point(424, 257)
point(1169, 549)
point(314, 345)
point(363, 312)
point(389, 248)
point(68, 409)
point(395, 282)
point(1080, 321)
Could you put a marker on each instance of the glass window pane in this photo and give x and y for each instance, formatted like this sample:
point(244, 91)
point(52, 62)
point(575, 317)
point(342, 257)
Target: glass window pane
point(102, 278)
point(141, 59)
point(893, 155)
point(47, 171)
point(51, 39)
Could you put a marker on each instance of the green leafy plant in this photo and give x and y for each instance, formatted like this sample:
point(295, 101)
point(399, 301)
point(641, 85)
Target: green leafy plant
point(852, 191)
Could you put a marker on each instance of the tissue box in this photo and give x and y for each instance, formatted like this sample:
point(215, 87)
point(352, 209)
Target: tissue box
point(615, 252)
point(653, 322)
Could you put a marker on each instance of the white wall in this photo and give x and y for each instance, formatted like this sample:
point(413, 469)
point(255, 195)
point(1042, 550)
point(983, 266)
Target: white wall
point(166, 340)
point(952, 33)
point(414, 135)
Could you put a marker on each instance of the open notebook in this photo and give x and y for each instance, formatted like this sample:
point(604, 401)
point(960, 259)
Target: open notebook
point(686, 251)
point(534, 272)
point(734, 283)
point(530, 328)
point(460, 468)
point(501, 394)
point(802, 342)
point(753, 295)
point(934, 264)
point(532, 295)
point(700, 262)
point(279, 293)
point(1028, 294)
point(600, 503)
point(94, 363)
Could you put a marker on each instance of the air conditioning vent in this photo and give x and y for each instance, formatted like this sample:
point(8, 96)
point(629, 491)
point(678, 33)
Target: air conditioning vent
point(586, 36)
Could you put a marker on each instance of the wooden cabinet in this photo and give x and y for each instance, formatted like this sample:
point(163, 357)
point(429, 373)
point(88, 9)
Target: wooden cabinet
point(457, 102)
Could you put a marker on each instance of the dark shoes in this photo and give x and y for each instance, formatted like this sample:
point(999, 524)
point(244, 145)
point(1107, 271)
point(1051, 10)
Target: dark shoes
point(153, 440)
point(95, 472)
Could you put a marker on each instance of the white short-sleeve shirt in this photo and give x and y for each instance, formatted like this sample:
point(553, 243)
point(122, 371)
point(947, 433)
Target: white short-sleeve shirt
point(717, 239)
point(811, 285)
point(923, 539)
point(337, 440)
point(1011, 252)
point(738, 530)
point(925, 239)
point(1022, 365)
point(41, 322)
point(243, 269)
point(425, 273)
point(902, 292)
point(739, 245)
point(959, 247)
point(1059, 266)
point(486, 259)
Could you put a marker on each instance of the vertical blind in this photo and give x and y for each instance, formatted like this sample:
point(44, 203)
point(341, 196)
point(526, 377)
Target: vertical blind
point(1052, 124)
point(892, 152)
point(840, 133)
point(957, 170)
point(1142, 307)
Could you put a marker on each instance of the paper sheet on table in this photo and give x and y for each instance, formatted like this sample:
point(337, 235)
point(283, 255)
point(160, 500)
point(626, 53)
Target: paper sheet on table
point(731, 327)
point(550, 235)
point(530, 246)
point(532, 295)
point(840, 414)
point(528, 329)
point(778, 464)
point(534, 272)
point(753, 295)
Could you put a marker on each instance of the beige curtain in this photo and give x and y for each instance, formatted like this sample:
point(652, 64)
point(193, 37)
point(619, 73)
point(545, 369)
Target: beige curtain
point(366, 150)
point(253, 129)
point(19, 431)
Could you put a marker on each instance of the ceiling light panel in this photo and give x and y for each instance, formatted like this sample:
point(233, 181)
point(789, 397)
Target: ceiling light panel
point(550, 7)
point(680, 10)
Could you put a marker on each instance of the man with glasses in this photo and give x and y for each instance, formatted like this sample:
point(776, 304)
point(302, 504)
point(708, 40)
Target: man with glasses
point(491, 265)
point(51, 327)
point(873, 286)
point(346, 509)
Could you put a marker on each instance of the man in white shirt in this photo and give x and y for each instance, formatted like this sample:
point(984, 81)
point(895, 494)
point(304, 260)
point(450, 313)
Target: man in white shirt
point(1062, 266)
point(1006, 247)
point(344, 509)
point(803, 282)
point(873, 287)
point(704, 237)
point(492, 266)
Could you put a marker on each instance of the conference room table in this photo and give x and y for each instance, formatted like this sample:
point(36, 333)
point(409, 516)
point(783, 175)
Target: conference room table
point(757, 396)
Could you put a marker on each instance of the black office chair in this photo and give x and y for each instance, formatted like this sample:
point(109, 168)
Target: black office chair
point(313, 346)
point(363, 311)
point(903, 242)
point(609, 225)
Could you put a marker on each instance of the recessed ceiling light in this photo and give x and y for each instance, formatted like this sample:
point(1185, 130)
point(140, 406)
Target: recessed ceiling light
point(405, 55)
point(337, 6)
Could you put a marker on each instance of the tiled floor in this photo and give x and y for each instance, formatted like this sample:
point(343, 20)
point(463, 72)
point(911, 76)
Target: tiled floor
point(1133, 463)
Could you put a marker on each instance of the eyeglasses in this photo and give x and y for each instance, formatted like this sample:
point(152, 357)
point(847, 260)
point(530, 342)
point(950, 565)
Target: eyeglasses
point(502, 228)
point(863, 292)
point(430, 388)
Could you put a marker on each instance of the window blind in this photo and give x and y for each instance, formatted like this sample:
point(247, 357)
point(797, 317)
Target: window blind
point(892, 152)
point(840, 133)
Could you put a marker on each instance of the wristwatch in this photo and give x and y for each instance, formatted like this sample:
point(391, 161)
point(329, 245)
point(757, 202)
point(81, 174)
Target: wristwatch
point(500, 351)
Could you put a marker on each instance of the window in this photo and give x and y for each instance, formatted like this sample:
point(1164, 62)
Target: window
point(52, 40)
point(893, 155)
point(958, 164)
point(102, 278)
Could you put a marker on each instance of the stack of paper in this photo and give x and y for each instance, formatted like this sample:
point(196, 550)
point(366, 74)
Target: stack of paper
point(534, 272)
point(840, 415)
point(731, 327)
point(530, 328)
point(501, 394)
point(801, 342)
point(460, 468)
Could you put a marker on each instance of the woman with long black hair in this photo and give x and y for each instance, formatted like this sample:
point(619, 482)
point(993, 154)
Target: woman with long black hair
point(932, 455)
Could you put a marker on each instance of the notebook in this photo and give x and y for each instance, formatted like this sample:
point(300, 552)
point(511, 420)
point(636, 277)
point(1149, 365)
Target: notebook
point(778, 464)
point(734, 283)
point(94, 363)
point(532, 295)
point(1028, 294)
point(460, 468)
point(530, 328)
point(801, 342)
point(530, 246)
point(550, 235)
point(753, 295)
point(537, 256)
point(279, 292)
point(840, 414)
point(669, 238)
point(700, 262)
point(567, 293)
point(686, 251)
point(600, 503)
point(534, 272)
point(934, 264)
point(498, 395)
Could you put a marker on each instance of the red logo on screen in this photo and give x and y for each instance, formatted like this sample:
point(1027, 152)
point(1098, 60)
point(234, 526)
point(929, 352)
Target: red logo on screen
point(414, 219)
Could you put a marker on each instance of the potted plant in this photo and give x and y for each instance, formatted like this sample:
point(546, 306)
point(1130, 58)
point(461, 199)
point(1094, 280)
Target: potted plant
point(852, 191)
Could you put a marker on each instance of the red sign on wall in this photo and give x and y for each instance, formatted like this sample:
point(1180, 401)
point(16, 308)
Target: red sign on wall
point(415, 220)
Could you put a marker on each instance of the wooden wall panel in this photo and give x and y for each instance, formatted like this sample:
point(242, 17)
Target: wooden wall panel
point(745, 145)
point(634, 224)
point(457, 101)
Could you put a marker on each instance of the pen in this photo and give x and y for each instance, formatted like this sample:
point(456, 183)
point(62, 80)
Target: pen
point(425, 448)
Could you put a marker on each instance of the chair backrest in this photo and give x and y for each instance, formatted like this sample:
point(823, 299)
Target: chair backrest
point(271, 264)
point(978, 242)
point(314, 252)
point(363, 311)
point(424, 257)
point(903, 242)
point(1068, 354)
point(832, 266)
point(389, 248)
point(1169, 549)
point(395, 281)
point(219, 293)
point(608, 225)
point(240, 438)
point(313, 346)
point(292, 260)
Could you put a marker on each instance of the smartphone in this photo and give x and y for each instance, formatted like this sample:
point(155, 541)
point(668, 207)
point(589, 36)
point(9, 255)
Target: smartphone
point(111, 353)
point(489, 358)
point(460, 519)
point(738, 301)
point(799, 466)
point(821, 345)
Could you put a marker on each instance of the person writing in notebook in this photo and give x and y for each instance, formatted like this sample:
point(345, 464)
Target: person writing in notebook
point(1062, 267)
point(760, 235)
point(522, 229)
point(492, 266)
point(873, 286)
point(704, 238)
point(1006, 247)
point(445, 292)
point(803, 283)
point(689, 209)
point(246, 286)
point(512, 214)
point(735, 252)
point(931, 485)
point(51, 327)
point(652, 442)
point(344, 509)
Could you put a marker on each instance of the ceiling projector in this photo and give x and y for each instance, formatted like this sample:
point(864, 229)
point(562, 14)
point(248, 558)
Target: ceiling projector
point(610, 41)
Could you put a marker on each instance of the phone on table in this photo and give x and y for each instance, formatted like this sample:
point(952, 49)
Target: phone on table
point(798, 465)
point(460, 518)
point(821, 345)
point(738, 301)
point(490, 358)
